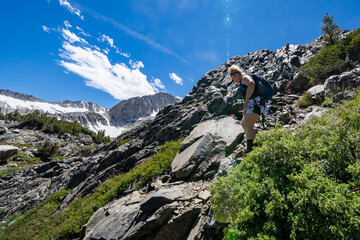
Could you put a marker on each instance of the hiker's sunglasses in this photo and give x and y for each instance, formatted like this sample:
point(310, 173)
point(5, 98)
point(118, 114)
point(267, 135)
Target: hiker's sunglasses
point(233, 73)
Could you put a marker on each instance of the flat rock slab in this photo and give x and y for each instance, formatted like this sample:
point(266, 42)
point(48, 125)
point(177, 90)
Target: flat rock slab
point(316, 90)
point(7, 151)
point(227, 129)
point(115, 224)
point(315, 112)
point(161, 197)
point(186, 161)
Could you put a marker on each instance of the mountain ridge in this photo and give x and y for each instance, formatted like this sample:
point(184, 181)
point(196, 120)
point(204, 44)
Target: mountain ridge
point(88, 114)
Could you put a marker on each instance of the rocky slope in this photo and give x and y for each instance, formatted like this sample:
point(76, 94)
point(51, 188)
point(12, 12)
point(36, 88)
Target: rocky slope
point(174, 206)
point(89, 114)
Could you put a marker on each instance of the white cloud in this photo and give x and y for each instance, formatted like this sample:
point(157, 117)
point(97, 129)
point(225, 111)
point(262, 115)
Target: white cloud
point(46, 29)
point(119, 80)
point(127, 55)
point(67, 24)
point(158, 84)
point(82, 32)
point(109, 40)
point(136, 65)
point(73, 10)
point(71, 37)
point(176, 79)
point(106, 51)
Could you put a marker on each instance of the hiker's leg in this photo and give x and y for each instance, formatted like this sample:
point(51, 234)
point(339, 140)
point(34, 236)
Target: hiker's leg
point(248, 123)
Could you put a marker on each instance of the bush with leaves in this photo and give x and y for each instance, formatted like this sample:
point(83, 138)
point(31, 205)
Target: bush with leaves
point(329, 60)
point(335, 58)
point(301, 185)
point(48, 150)
point(305, 100)
point(352, 45)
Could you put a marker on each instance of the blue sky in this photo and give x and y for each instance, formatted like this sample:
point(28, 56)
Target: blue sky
point(110, 50)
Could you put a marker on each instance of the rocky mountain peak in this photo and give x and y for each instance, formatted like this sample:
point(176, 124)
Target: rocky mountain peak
point(92, 107)
point(139, 107)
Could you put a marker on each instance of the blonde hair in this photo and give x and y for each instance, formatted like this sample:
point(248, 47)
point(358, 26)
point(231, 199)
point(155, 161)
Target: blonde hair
point(236, 68)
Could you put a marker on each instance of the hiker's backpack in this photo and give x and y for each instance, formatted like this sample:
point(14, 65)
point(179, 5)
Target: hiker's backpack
point(262, 88)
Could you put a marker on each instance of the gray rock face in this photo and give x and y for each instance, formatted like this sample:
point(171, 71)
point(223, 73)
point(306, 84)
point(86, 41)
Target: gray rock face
point(189, 160)
point(315, 111)
point(317, 93)
point(86, 119)
point(139, 107)
point(344, 81)
point(160, 198)
point(3, 130)
point(342, 96)
point(171, 210)
point(205, 146)
point(20, 96)
point(226, 129)
point(116, 222)
point(7, 152)
point(298, 83)
point(92, 107)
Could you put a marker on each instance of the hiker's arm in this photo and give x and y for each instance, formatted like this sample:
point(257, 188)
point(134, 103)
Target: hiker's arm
point(250, 83)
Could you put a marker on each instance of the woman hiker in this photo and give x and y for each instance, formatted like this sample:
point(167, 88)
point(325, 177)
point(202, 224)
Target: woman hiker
point(253, 106)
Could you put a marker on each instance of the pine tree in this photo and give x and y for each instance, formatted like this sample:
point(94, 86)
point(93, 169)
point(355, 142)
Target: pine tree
point(330, 30)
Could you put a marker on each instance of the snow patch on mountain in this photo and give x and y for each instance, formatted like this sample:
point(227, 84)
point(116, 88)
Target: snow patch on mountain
point(13, 103)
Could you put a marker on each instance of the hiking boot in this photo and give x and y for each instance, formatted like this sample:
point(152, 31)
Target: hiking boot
point(237, 161)
point(249, 145)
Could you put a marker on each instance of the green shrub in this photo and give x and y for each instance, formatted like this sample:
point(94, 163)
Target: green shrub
point(305, 100)
point(122, 141)
point(101, 138)
point(70, 222)
point(327, 101)
point(88, 148)
point(301, 185)
point(329, 60)
point(333, 59)
point(48, 150)
point(352, 44)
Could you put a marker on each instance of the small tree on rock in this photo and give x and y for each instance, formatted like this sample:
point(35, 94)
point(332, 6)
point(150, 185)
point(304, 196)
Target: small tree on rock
point(330, 30)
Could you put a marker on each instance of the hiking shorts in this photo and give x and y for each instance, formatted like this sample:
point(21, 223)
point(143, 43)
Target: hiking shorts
point(257, 105)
